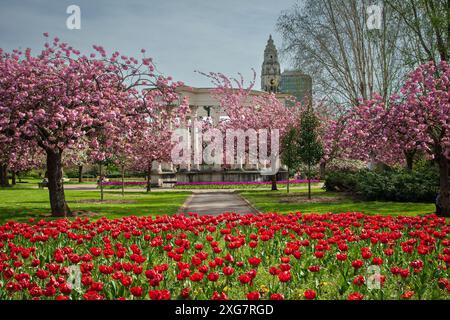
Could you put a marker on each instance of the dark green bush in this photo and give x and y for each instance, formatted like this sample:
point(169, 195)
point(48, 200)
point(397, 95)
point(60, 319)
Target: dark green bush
point(389, 185)
point(340, 181)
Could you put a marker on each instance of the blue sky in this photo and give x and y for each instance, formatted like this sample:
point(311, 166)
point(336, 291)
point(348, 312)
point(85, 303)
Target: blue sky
point(225, 36)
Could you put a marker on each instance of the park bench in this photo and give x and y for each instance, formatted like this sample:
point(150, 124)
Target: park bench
point(169, 183)
point(42, 185)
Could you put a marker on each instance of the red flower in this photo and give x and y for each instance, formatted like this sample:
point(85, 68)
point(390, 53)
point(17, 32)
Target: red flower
point(136, 291)
point(359, 280)
point(253, 295)
point(203, 269)
point(274, 271)
point(319, 254)
point(404, 273)
point(228, 271)
point(244, 278)
point(126, 281)
point(416, 264)
point(284, 276)
point(196, 277)
point(276, 296)
point(96, 251)
point(97, 286)
point(341, 256)
point(159, 294)
point(185, 292)
point(366, 254)
point(357, 264)
point(310, 294)
point(314, 268)
point(285, 267)
point(229, 258)
point(355, 296)
point(42, 274)
point(377, 261)
point(219, 296)
point(106, 269)
point(92, 295)
point(196, 261)
point(254, 261)
point(213, 276)
point(408, 295)
point(443, 282)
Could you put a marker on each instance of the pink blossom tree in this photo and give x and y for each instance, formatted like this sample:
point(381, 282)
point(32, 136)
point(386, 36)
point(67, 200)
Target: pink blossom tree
point(366, 134)
point(422, 120)
point(62, 97)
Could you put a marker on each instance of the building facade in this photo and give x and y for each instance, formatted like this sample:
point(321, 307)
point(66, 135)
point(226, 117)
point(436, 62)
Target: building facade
point(291, 82)
point(270, 70)
point(297, 84)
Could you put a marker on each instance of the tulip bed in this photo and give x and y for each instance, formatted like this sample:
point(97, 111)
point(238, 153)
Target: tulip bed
point(265, 256)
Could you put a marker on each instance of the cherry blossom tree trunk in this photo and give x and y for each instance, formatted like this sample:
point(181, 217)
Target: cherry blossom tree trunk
point(4, 176)
point(443, 186)
point(274, 182)
point(123, 179)
point(287, 184)
point(80, 174)
point(322, 170)
point(309, 181)
point(409, 157)
point(58, 203)
point(101, 182)
point(13, 178)
point(149, 174)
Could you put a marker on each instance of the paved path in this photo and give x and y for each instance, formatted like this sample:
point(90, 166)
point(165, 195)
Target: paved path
point(216, 202)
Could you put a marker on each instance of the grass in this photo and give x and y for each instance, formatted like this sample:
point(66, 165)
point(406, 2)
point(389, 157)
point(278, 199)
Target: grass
point(23, 202)
point(323, 202)
point(20, 204)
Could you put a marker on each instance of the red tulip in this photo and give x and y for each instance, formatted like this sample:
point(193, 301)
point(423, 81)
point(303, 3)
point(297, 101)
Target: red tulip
point(310, 294)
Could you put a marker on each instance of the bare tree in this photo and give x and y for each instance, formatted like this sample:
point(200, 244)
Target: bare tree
point(426, 27)
point(330, 39)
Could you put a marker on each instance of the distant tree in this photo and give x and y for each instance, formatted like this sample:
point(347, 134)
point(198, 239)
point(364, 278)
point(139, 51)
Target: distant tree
point(330, 39)
point(290, 156)
point(426, 27)
point(310, 149)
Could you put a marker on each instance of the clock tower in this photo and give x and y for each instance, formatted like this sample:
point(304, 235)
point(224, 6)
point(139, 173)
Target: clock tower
point(270, 71)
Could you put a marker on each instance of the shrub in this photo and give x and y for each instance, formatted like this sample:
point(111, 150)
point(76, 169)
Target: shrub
point(340, 181)
point(390, 185)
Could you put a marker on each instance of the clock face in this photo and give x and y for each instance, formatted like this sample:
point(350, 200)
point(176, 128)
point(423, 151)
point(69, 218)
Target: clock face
point(272, 81)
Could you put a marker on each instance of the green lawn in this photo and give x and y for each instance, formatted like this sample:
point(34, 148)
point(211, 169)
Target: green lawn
point(21, 204)
point(323, 202)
